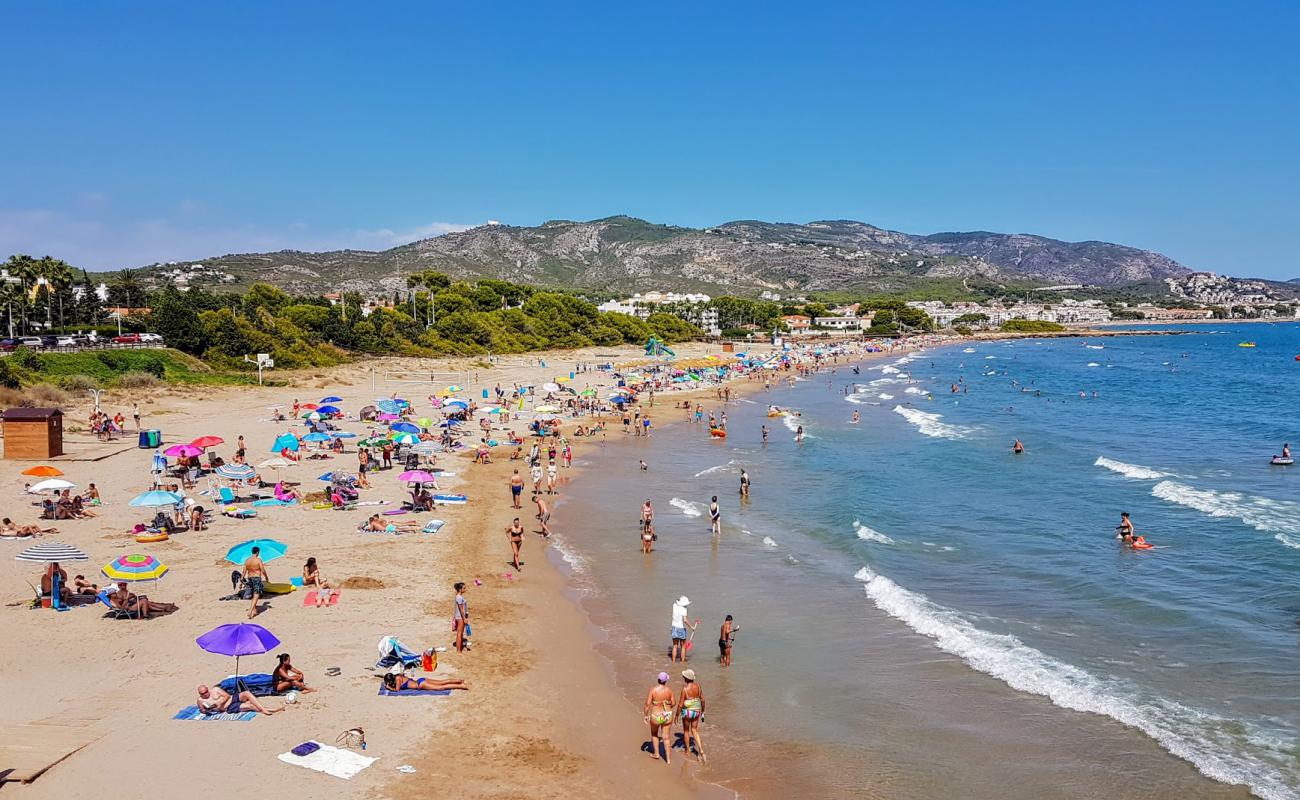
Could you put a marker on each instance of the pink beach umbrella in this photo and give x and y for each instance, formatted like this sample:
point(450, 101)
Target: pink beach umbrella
point(183, 451)
point(417, 476)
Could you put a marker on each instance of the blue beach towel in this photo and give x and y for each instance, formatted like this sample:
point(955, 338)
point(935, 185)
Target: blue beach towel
point(384, 691)
point(192, 712)
point(271, 501)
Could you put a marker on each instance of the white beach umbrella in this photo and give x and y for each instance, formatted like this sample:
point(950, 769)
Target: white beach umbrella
point(51, 551)
point(51, 485)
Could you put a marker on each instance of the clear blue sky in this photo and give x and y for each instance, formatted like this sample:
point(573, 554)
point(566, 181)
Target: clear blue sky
point(137, 131)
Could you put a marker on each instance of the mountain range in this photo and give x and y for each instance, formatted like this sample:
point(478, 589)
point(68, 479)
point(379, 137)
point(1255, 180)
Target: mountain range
point(622, 254)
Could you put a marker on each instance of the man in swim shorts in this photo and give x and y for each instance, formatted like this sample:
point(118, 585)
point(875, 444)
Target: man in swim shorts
point(516, 488)
point(726, 637)
point(256, 577)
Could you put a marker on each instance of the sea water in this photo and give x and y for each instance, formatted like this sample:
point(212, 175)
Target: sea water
point(923, 612)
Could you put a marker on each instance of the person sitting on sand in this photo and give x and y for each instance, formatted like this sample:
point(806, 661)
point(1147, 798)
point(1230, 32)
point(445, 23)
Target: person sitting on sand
point(139, 605)
point(91, 495)
point(79, 508)
point(286, 677)
point(216, 700)
point(82, 586)
point(285, 493)
point(312, 576)
point(401, 683)
point(48, 577)
point(9, 528)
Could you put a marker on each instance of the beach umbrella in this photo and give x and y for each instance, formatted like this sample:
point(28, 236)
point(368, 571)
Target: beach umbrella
point(134, 567)
point(342, 435)
point(50, 552)
point(386, 417)
point(373, 441)
point(327, 477)
point(316, 436)
point(425, 448)
point(493, 410)
point(183, 451)
point(551, 387)
point(309, 406)
point(424, 422)
point(51, 485)
point(270, 550)
point(405, 438)
point(406, 427)
point(547, 409)
point(456, 401)
point(329, 410)
point(236, 472)
point(156, 498)
point(454, 388)
point(331, 399)
point(311, 415)
point(285, 440)
point(587, 393)
point(367, 411)
point(276, 463)
point(416, 476)
point(208, 441)
point(238, 639)
point(389, 406)
point(43, 471)
point(547, 417)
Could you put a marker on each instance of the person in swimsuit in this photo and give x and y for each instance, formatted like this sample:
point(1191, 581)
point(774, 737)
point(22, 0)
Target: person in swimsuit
point(311, 576)
point(1286, 452)
point(715, 517)
point(659, 711)
point(1017, 448)
point(691, 704)
point(460, 617)
point(764, 434)
point(647, 527)
point(726, 638)
point(401, 683)
point(516, 488)
point(516, 534)
point(256, 577)
point(1125, 528)
point(216, 700)
point(543, 515)
point(744, 483)
point(140, 605)
point(286, 677)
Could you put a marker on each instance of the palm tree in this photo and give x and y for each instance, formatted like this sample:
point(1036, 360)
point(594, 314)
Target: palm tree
point(10, 292)
point(22, 267)
point(56, 275)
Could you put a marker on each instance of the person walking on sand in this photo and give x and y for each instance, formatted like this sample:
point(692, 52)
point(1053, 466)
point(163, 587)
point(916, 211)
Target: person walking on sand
point(551, 475)
point(715, 517)
point(691, 703)
point(726, 638)
point(256, 578)
point(516, 534)
point(516, 488)
point(536, 474)
point(460, 618)
point(678, 631)
point(543, 515)
point(659, 712)
point(135, 414)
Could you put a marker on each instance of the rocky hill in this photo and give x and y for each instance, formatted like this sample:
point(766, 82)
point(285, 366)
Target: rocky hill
point(743, 257)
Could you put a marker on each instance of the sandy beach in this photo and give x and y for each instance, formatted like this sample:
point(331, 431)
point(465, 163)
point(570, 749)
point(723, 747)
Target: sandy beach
point(542, 715)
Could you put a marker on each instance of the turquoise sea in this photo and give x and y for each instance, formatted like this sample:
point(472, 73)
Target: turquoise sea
point(923, 612)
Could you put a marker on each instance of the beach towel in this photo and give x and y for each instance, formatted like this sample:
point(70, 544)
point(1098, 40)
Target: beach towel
point(432, 526)
point(384, 691)
point(330, 760)
point(193, 713)
point(372, 503)
point(273, 502)
point(310, 599)
point(261, 684)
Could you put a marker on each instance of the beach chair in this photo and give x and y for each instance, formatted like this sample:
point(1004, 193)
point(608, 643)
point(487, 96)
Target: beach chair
point(118, 613)
point(227, 495)
point(392, 652)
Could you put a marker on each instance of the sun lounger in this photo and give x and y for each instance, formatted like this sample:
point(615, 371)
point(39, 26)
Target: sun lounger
point(118, 613)
point(238, 513)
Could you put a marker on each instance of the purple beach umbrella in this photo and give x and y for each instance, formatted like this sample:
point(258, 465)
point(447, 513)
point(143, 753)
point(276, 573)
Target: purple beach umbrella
point(238, 639)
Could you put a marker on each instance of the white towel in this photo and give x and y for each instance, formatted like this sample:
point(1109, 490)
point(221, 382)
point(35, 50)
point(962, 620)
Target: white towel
point(330, 760)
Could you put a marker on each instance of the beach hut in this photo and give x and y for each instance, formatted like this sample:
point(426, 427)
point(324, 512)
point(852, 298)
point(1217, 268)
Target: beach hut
point(33, 433)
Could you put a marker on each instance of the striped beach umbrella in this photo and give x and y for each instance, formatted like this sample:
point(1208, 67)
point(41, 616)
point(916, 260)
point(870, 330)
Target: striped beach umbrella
point(405, 438)
point(51, 551)
point(134, 567)
point(389, 406)
point(425, 448)
point(236, 472)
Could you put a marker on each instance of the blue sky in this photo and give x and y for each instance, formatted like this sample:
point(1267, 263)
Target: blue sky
point(137, 131)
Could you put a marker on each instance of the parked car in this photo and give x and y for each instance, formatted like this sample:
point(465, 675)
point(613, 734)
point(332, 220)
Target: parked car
point(66, 341)
point(9, 345)
point(30, 341)
point(127, 338)
point(50, 341)
point(151, 338)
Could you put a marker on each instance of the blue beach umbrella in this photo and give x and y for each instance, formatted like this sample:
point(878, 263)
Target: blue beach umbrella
point(316, 436)
point(285, 440)
point(156, 498)
point(329, 410)
point(236, 472)
point(329, 476)
point(389, 406)
point(331, 399)
point(343, 435)
point(406, 427)
point(270, 550)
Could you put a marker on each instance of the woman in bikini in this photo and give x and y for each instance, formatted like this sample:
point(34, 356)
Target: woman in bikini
point(692, 711)
point(311, 576)
point(516, 534)
point(659, 712)
point(401, 683)
point(286, 677)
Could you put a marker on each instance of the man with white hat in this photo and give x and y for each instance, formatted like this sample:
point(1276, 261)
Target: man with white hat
point(679, 628)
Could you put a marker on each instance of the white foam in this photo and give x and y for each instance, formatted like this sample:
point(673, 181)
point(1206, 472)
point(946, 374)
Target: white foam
point(930, 425)
point(884, 396)
point(855, 398)
point(1093, 364)
point(1278, 517)
point(769, 541)
point(914, 390)
point(791, 559)
point(1130, 470)
point(576, 562)
point(988, 358)
point(719, 468)
point(890, 370)
point(687, 507)
point(792, 423)
point(868, 535)
point(1095, 346)
point(1212, 743)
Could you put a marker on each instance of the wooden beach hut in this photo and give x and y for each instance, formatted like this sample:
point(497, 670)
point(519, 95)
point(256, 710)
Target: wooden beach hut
point(35, 433)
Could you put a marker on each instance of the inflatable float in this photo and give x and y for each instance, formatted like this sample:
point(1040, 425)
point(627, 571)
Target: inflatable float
point(1277, 461)
point(1141, 544)
point(1245, 344)
point(278, 588)
point(149, 538)
point(451, 499)
point(717, 433)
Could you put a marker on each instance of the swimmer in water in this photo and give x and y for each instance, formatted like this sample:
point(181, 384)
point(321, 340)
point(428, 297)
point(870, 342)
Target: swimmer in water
point(856, 417)
point(1125, 529)
point(1286, 451)
point(1017, 448)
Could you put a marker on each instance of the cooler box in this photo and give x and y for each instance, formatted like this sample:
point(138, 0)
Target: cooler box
point(150, 439)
